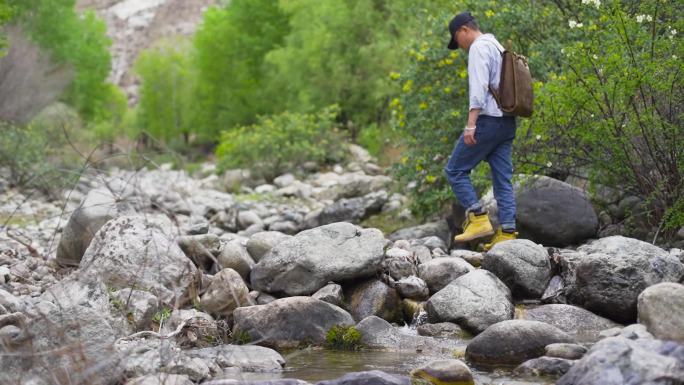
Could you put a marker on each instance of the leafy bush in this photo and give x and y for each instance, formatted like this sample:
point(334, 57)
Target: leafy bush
point(614, 111)
point(277, 143)
point(343, 338)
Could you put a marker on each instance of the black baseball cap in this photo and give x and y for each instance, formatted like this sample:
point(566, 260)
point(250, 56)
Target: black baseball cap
point(457, 22)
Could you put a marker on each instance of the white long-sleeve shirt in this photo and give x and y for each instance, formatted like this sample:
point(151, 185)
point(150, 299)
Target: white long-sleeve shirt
point(484, 69)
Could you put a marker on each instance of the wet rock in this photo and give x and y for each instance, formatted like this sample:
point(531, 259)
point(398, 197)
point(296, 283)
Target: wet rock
point(661, 309)
point(522, 265)
point(226, 292)
point(513, 342)
point(440, 272)
point(261, 243)
point(373, 377)
point(554, 213)
point(308, 261)
point(607, 275)
point(580, 323)
point(443, 372)
point(620, 361)
point(379, 334)
point(567, 351)
point(374, 297)
point(544, 366)
point(330, 293)
point(235, 256)
point(474, 301)
point(289, 321)
point(248, 358)
point(413, 288)
point(442, 330)
point(126, 252)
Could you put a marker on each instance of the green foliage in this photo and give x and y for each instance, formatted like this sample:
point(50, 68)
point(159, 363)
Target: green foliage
point(615, 109)
point(77, 41)
point(240, 337)
point(230, 60)
point(277, 143)
point(161, 316)
point(167, 102)
point(6, 14)
point(343, 338)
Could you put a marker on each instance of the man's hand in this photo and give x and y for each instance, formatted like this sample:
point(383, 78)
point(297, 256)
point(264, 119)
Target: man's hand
point(469, 136)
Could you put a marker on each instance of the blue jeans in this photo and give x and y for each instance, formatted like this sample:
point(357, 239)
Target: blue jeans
point(494, 138)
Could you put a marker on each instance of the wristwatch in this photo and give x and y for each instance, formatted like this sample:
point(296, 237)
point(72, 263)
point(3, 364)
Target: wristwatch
point(469, 128)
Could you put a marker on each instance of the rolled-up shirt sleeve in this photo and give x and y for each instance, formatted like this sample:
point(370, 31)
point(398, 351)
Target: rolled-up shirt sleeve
point(478, 76)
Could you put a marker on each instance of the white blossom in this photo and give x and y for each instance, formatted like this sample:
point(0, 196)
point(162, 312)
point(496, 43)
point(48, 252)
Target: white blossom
point(538, 137)
point(595, 57)
point(549, 164)
point(595, 3)
point(574, 24)
point(642, 18)
point(674, 57)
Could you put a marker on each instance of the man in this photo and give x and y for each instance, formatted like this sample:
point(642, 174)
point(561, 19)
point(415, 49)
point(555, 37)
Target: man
point(488, 135)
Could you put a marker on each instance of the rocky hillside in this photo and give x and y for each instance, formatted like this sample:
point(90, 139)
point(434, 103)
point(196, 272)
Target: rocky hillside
point(152, 276)
point(135, 25)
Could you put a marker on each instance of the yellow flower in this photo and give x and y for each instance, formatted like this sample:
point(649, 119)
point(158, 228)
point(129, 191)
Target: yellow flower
point(430, 178)
point(420, 57)
point(407, 86)
point(395, 102)
point(447, 90)
point(455, 114)
point(394, 75)
point(404, 159)
point(423, 106)
point(489, 13)
point(427, 89)
point(453, 55)
point(419, 167)
point(449, 61)
point(463, 74)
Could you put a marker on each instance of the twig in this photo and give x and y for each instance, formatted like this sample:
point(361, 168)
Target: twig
point(30, 248)
point(149, 333)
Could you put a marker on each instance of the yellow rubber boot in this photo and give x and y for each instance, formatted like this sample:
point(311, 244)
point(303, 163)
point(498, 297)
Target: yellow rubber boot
point(500, 236)
point(475, 226)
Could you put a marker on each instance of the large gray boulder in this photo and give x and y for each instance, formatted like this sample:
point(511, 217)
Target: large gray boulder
point(249, 358)
point(513, 342)
point(440, 272)
point(474, 301)
point(522, 265)
point(262, 242)
point(129, 252)
point(308, 261)
point(621, 361)
point(226, 292)
point(374, 297)
point(554, 213)
point(288, 322)
point(661, 309)
point(98, 207)
point(581, 324)
point(607, 276)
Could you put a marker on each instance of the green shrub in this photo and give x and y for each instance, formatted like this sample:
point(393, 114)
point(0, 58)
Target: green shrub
point(343, 338)
point(277, 143)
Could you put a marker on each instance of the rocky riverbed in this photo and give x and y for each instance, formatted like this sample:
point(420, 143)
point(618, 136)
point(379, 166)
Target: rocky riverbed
point(156, 277)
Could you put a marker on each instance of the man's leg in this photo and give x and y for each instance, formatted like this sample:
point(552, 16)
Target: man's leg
point(463, 159)
point(502, 172)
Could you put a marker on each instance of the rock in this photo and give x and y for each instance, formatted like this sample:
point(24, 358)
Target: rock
point(581, 324)
point(261, 243)
point(413, 310)
point(400, 267)
point(4, 274)
point(330, 293)
point(513, 342)
point(225, 293)
point(286, 227)
point(234, 179)
point(197, 329)
point(661, 309)
point(248, 358)
point(127, 253)
point(161, 379)
point(284, 180)
point(567, 351)
point(352, 210)
point(376, 333)
point(308, 261)
point(98, 207)
point(201, 249)
point(554, 213)
point(264, 298)
point(442, 330)
point(443, 372)
point(413, 288)
point(198, 226)
point(635, 332)
point(139, 305)
point(439, 229)
point(374, 297)
point(286, 381)
point(620, 361)
point(474, 301)
point(149, 357)
point(472, 257)
point(235, 256)
point(289, 321)
point(522, 265)
point(544, 366)
point(9, 302)
point(432, 243)
point(607, 275)
point(248, 218)
point(373, 377)
point(440, 272)
point(555, 291)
